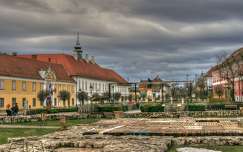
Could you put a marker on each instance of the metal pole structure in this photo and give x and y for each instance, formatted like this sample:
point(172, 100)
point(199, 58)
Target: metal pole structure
point(109, 92)
point(135, 85)
point(239, 81)
point(162, 92)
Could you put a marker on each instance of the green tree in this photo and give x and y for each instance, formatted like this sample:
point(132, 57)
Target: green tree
point(143, 95)
point(42, 95)
point(64, 96)
point(82, 96)
point(105, 97)
point(95, 97)
point(117, 96)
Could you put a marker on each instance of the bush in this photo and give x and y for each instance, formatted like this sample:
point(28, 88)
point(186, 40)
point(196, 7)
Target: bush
point(216, 106)
point(152, 107)
point(35, 111)
point(216, 100)
point(110, 108)
point(196, 107)
point(53, 110)
point(124, 107)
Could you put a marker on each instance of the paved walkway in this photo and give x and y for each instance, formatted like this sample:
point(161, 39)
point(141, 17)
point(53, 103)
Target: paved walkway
point(133, 111)
point(31, 127)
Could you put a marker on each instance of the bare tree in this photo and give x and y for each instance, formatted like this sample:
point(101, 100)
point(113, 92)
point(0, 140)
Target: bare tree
point(200, 87)
point(219, 91)
point(229, 68)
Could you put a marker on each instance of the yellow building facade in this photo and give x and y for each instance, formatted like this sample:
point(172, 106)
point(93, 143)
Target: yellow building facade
point(22, 80)
point(25, 92)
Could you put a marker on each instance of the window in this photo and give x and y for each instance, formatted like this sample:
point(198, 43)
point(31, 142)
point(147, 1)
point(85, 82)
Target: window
point(1, 84)
point(55, 101)
point(82, 84)
point(41, 86)
point(72, 102)
point(13, 101)
point(33, 86)
point(24, 85)
point(34, 102)
point(79, 84)
point(1, 102)
point(13, 85)
point(23, 102)
point(41, 103)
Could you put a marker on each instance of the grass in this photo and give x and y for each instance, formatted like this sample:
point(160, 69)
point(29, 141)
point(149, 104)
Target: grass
point(216, 148)
point(10, 133)
point(22, 132)
point(70, 122)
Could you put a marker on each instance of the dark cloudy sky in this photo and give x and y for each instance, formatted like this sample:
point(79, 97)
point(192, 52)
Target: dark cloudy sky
point(137, 38)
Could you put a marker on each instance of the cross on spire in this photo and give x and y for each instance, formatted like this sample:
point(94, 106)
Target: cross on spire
point(77, 43)
point(78, 49)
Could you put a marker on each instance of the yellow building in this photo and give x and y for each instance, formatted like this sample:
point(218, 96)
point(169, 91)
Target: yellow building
point(21, 81)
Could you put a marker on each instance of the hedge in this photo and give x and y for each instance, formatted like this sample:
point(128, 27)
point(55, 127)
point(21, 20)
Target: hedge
point(110, 108)
point(196, 107)
point(216, 100)
point(216, 106)
point(53, 110)
point(152, 107)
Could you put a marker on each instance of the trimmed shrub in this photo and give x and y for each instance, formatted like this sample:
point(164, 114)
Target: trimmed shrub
point(216, 100)
point(35, 111)
point(53, 110)
point(152, 107)
point(231, 107)
point(196, 107)
point(216, 106)
point(109, 108)
point(124, 107)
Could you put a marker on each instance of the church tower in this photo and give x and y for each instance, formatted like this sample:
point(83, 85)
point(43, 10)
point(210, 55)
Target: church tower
point(78, 49)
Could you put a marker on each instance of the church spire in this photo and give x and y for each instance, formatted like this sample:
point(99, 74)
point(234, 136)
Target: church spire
point(77, 42)
point(78, 49)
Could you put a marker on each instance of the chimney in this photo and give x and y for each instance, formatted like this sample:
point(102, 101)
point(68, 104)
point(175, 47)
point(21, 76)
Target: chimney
point(14, 53)
point(34, 56)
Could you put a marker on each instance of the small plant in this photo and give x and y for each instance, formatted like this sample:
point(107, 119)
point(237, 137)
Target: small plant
point(96, 97)
point(64, 96)
point(42, 95)
point(82, 96)
point(117, 96)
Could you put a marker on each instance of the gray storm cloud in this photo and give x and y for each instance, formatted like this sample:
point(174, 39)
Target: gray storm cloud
point(137, 38)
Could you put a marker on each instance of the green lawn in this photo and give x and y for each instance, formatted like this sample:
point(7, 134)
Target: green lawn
point(20, 132)
point(6, 133)
point(57, 122)
point(219, 148)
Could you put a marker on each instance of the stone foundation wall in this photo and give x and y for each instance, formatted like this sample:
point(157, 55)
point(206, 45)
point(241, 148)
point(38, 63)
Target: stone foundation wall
point(113, 143)
point(200, 114)
point(209, 140)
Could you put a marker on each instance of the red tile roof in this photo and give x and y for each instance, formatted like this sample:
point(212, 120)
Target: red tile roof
point(28, 68)
point(79, 67)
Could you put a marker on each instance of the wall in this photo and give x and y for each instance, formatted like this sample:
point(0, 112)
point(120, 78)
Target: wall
point(8, 93)
point(99, 86)
point(222, 113)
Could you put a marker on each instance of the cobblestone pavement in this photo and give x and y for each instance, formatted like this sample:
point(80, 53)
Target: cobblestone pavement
point(121, 135)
